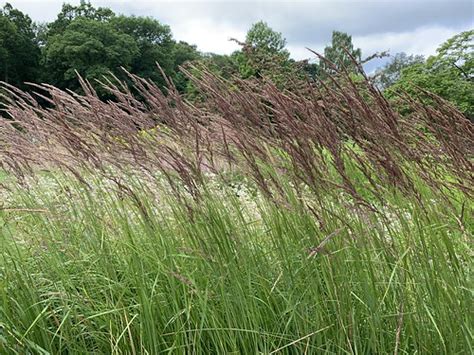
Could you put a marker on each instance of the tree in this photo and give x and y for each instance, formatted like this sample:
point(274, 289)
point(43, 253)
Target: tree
point(263, 54)
point(391, 72)
point(8, 36)
point(182, 53)
point(457, 53)
point(263, 38)
point(221, 65)
point(340, 53)
point(449, 74)
point(90, 47)
point(70, 12)
point(154, 42)
point(19, 50)
point(79, 33)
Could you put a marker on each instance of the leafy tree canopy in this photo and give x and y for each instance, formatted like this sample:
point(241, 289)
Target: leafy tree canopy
point(91, 48)
point(263, 54)
point(19, 51)
point(391, 72)
point(261, 37)
point(449, 73)
point(154, 43)
point(341, 53)
point(95, 41)
point(183, 52)
point(70, 12)
point(457, 53)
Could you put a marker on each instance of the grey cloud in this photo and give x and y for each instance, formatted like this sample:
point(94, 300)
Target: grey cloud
point(303, 23)
point(364, 18)
point(310, 23)
point(303, 20)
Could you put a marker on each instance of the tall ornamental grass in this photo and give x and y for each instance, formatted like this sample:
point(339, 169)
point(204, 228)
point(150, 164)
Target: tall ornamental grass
point(309, 220)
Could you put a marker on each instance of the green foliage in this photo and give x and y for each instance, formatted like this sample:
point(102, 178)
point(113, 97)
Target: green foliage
point(101, 271)
point(263, 53)
point(341, 53)
point(457, 52)
point(70, 12)
point(91, 48)
point(224, 66)
point(154, 42)
point(182, 53)
point(449, 74)
point(262, 38)
point(391, 72)
point(94, 42)
point(19, 51)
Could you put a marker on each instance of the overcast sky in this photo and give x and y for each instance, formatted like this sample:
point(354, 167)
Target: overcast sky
point(412, 26)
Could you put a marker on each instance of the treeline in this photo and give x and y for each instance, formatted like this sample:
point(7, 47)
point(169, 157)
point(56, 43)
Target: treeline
point(96, 43)
point(90, 41)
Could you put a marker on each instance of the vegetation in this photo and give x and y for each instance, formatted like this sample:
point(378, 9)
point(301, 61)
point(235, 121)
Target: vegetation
point(391, 72)
point(19, 51)
point(316, 220)
point(449, 73)
point(340, 55)
point(243, 203)
point(263, 51)
point(89, 48)
point(96, 43)
point(93, 42)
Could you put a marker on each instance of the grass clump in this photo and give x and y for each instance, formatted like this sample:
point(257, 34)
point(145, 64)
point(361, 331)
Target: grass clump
point(94, 272)
point(263, 222)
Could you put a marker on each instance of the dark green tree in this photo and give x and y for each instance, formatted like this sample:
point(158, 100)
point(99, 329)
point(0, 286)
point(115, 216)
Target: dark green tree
point(222, 65)
point(183, 53)
point(70, 12)
point(8, 36)
point(94, 41)
point(341, 53)
point(19, 50)
point(264, 54)
point(92, 48)
point(155, 45)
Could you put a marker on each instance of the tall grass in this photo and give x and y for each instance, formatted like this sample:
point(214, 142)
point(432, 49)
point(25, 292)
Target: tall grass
point(312, 220)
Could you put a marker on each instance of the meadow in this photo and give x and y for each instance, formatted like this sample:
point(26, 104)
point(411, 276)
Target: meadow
point(311, 220)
